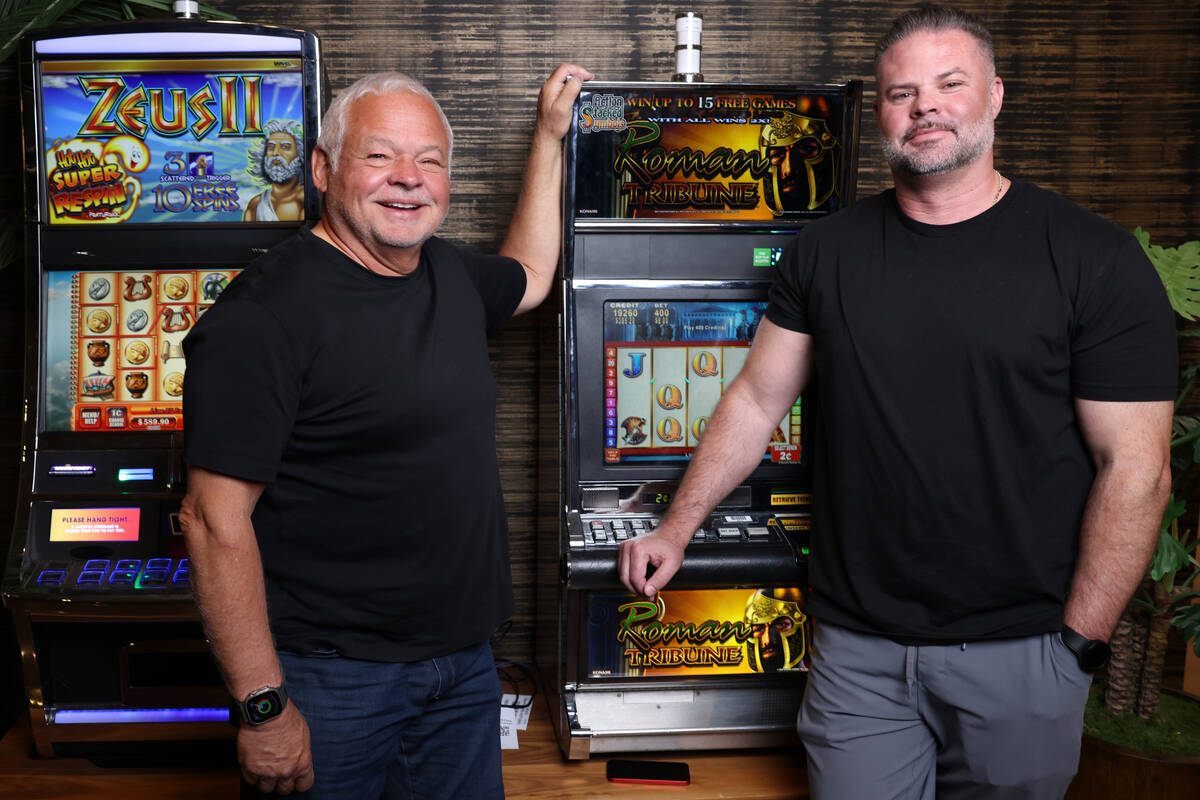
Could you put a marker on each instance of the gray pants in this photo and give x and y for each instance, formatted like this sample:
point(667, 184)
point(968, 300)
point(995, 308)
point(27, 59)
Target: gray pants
point(995, 720)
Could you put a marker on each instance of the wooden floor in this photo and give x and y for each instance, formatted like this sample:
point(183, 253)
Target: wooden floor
point(536, 771)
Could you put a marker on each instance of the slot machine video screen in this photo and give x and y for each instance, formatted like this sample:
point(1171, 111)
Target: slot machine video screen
point(740, 154)
point(666, 365)
point(172, 140)
point(113, 345)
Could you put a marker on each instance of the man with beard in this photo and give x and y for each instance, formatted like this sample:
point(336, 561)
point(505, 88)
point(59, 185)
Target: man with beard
point(344, 516)
point(991, 422)
point(279, 161)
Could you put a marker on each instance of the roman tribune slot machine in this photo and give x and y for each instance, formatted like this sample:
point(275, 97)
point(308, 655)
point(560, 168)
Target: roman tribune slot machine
point(160, 159)
point(680, 199)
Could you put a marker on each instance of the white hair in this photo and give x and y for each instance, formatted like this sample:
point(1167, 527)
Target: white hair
point(333, 124)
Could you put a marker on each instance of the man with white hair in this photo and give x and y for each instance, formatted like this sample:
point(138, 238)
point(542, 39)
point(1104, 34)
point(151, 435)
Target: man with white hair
point(279, 161)
point(995, 369)
point(344, 515)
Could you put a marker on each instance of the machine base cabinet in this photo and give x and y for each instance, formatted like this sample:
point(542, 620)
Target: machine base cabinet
point(97, 676)
point(706, 718)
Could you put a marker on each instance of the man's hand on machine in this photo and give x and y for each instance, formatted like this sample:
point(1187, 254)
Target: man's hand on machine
point(556, 99)
point(276, 756)
point(646, 564)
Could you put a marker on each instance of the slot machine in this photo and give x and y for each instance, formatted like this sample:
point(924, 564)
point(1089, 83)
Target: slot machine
point(160, 158)
point(679, 200)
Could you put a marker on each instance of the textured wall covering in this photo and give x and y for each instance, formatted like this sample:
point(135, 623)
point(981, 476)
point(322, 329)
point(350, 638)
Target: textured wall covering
point(1102, 104)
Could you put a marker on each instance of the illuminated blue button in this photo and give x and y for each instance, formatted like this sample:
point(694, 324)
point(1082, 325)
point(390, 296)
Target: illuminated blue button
point(183, 563)
point(122, 576)
point(135, 474)
point(154, 577)
point(129, 564)
point(181, 578)
point(90, 576)
point(100, 564)
point(158, 563)
point(52, 576)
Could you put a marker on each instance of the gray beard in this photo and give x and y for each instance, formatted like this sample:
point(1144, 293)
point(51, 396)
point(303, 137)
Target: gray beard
point(279, 170)
point(972, 141)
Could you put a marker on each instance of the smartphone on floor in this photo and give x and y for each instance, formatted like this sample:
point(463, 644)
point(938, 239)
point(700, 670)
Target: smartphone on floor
point(670, 773)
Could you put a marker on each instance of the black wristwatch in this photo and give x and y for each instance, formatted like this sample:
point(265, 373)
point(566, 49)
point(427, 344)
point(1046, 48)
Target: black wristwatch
point(261, 705)
point(1092, 654)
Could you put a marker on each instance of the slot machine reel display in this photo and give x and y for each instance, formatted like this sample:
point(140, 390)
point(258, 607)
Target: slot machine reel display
point(161, 158)
point(681, 199)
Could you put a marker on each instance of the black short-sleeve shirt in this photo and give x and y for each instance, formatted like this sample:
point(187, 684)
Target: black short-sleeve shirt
point(366, 403)
point(949, 467)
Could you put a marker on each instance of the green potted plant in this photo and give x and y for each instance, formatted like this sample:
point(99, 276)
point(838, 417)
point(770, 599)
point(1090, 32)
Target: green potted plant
point(1123, 724)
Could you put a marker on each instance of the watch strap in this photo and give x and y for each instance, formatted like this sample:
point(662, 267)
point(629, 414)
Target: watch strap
point(1092, 654)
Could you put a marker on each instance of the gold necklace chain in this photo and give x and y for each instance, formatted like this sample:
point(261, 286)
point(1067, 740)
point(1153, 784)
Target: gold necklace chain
point(999, 186)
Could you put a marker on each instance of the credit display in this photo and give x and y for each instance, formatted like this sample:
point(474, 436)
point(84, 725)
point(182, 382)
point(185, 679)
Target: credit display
point(173, 140)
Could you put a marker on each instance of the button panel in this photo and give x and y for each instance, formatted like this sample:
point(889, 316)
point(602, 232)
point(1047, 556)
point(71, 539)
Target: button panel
point(749, 529)
point(106, 576)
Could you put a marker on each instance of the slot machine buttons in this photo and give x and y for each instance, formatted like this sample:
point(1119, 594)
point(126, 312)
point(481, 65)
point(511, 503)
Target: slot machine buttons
point(163, 564)
point(129, 564)
point(154, 578)
point(90, 577)
point(638, 526)
point(182, 577)
point(727, 533)
point(52, 577)
point(122, 577)
point(734, 519)
point(757, 533)
point(96, 564)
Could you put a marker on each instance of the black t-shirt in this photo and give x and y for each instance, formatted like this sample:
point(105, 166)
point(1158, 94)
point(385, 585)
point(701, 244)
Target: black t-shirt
point(949, 468)
point(366, 403)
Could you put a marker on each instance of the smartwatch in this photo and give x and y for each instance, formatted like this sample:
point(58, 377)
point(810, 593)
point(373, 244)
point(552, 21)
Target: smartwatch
point(261, 705)
point(1092, 654)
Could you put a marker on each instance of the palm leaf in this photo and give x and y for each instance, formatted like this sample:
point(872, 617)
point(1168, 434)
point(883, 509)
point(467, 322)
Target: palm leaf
point(1179, 270)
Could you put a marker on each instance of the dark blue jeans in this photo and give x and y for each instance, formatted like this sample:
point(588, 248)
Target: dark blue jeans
point(425, 730)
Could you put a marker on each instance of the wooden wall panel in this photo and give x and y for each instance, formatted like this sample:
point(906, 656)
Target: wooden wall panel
point(1102, 104)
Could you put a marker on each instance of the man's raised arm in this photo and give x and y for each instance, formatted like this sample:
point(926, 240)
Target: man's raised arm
point(535, 233)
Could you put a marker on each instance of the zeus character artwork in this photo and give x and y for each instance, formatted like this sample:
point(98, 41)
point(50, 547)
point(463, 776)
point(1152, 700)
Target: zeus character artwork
point(779, 641)
point(988, 487)
point(278, 161)
point(344, 516)
point(804, 167)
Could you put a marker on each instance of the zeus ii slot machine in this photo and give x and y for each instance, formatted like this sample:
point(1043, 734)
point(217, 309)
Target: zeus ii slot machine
point(680, 199)
point(160, 159)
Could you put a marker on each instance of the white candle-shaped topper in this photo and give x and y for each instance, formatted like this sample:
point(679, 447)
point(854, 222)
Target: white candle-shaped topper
point(688, 26)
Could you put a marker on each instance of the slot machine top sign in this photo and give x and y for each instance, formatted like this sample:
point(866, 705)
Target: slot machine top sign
point(182, 139)
point(712, 153)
